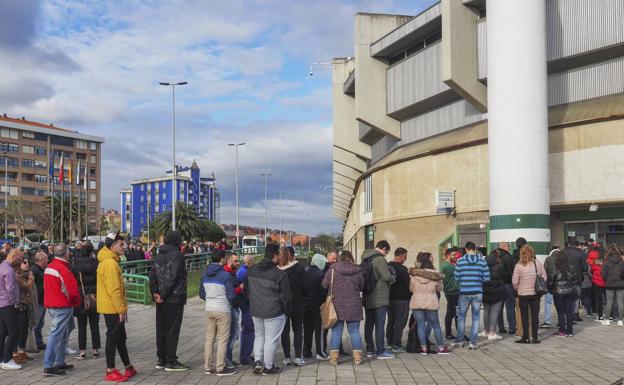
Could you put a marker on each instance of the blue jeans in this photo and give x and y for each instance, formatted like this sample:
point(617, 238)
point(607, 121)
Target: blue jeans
point(247, 335)
point(548, 304)
point(57, 339)
point(430, 317)
point(234, 333)
point(39, 326)
point(375, 319)
point(466, 301)
point(353, 327)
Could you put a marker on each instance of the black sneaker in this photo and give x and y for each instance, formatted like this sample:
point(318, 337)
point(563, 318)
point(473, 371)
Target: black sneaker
point(64, 367)
point(273, 370)
point(176, 366)
point(161, 364)
point(41, 346)
point(258, 367)
point(49, 372)
point(226, 372)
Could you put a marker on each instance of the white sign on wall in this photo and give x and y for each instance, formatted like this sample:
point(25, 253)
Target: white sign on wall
point(445, 201)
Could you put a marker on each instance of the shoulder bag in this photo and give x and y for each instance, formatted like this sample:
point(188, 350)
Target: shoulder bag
point(328, 312)
point(540, 285)
point(89, 303)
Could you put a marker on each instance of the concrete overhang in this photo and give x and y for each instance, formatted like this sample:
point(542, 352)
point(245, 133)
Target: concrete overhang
point(369, 134)
point(349, 85)
point(400, 38)
point(475, 3)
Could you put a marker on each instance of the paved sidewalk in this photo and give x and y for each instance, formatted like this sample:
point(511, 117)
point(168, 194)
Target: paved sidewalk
point(593, 356)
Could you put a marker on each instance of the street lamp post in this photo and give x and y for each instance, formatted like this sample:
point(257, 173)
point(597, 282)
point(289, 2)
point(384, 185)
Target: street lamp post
point(280, 194)
point(235, 145)
point(6, 190)
point(174, 171)
point(266, 210)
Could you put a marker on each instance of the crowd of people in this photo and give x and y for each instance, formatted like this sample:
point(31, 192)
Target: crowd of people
point(278, 301)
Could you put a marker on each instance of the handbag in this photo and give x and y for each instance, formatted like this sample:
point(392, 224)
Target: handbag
point(540, 284)
point(328, 312)
point(89, 303)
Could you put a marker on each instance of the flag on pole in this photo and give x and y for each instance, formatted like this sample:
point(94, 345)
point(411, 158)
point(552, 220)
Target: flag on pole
point(85, 179)
point(61, 167)
point(51, 168)
point(78, 173)
point(70, 172)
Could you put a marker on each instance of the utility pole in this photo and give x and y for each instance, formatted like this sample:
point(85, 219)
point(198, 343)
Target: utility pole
point(266, 205)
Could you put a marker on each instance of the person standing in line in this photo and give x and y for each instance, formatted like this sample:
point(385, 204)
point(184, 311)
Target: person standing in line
point(613, 275)
point(314, 297)
point(578, 260)
point(294, 319)
point(231, 266)
point(247, 328)
point(85, 266)
point(168, 279)
point(345, 281)
point(217, 289)
point(112, 302)
point(398, 310)
point(270, 299)
point(25, 310)
point(451, 291)
point(331, 257)
point(595, 260)
point(508, 308)
point(61, 296)
point(376, 301)
point(563, 283)
point(9, 300)
point(549, 268)
point(41, 262)
point(493, 295)
point(471, 272)
point(524, 277)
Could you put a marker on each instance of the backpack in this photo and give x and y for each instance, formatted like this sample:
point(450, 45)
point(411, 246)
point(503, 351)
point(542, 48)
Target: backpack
point(369, 275)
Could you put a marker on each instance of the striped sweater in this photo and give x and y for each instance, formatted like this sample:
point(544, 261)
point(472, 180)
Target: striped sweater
point(471, 271)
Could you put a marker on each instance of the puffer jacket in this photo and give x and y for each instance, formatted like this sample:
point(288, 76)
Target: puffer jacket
point(612, 271)
point(168, 276)
point(348, 283)
point(494, 289)
point(425, 285)
point(111, 293)
point(85, 270)
point(380, 296)
point(268, 290)
point(595, 267)
point(314, 292)
point(296, 278)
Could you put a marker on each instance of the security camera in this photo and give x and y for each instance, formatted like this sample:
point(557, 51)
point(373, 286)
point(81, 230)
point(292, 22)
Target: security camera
point(311, 73)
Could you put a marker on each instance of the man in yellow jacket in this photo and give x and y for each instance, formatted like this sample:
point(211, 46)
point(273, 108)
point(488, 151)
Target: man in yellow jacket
point(112, 303)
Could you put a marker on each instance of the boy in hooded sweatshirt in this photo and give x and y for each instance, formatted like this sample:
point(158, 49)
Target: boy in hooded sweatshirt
point(471, 272)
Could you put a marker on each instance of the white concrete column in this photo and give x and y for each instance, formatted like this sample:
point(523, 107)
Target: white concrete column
point(518, 122)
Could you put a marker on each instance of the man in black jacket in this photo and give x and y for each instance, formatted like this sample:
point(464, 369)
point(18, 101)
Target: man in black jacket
point(270, 299)
point(398, 310)
point(41, 262)
point(578, 260)
point(168, 286)
point(509, 303)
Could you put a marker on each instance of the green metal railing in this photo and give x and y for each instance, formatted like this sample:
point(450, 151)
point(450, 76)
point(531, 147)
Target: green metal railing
point(137, 288)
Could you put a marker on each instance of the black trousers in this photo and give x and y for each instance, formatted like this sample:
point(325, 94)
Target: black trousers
point(168, 323)
point(115, 340)
point(94, 324)
point(297, 327)
point(599, 295)
point(529, 303)
point(398, 312)
point(8, 332)
point(452, 300)
point(22, 328)
point(312, 327)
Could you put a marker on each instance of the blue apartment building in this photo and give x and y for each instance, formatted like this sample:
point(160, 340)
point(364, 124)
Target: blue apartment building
point(149, 197)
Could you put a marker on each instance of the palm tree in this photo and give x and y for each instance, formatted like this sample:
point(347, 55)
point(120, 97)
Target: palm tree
point(188, 223)
point(56, 220)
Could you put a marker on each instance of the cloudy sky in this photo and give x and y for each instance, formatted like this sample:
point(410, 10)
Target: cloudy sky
point(94, 67)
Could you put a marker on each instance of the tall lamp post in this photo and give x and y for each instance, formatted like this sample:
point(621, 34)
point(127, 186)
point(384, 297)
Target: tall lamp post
point(280, 194)
point(6, 190)
point(236, 145)
point(174, 171)
point(266, 176)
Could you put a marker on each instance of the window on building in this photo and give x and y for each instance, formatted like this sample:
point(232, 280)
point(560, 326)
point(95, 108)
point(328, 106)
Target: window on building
point(149, 187)
point(92, 197)
point(41, 178)
point(41, 164)
point(91, 210)
point(13, 190)
point(41, 151)
point(28, 149)
point(164, 207)
point(142, 198)
point(92, 171)
point(92, 185)
point(62, 141)
point(92, 159)
point(81, 144)
point(157, 208)
point(28, 135)
point(8, 133)
point(93, 146)
point(142, 209)
point(28, 163)
point(368, 194)
point(164, 196)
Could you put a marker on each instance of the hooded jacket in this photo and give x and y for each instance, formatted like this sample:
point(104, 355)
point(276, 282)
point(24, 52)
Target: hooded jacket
point(508, 262)
point(399, 291)
point(60, 286)
point(111, 293)
point(217, 289)
point(595, 264)
point(314, 293)
point(380, 296)
point(296, 278)
point(578, 261)
point(425, 285)
point(471, 272)
point(268, 290)
point(494, 289)
point(168, 276)
point(612, 272)
point(348, 283)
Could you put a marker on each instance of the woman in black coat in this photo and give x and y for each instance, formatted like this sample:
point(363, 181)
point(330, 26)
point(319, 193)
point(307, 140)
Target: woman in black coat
point(85, 269)
point(314, 298)
point(493, 296)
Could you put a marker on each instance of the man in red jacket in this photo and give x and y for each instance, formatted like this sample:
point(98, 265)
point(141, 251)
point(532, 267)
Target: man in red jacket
point(61, 296)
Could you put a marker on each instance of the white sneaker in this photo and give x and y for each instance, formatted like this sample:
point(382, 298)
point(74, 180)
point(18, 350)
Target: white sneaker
point(620, 323)
point(483, 334)
point(11, 365)
point(606, 322)
point(69, 350)
point(287, 361)
point(495, 337)
point(299, 362)
point(322, 358)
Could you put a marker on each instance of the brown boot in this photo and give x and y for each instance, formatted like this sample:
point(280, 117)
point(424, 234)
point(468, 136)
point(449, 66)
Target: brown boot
point(19, 358)
point(333, 357)
point(357, 357)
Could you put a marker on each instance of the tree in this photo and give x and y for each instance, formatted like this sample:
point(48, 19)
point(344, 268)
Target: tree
point(211, 232)
point(188, 223)
point(326, 241)
point(17, 211)
point(104, 224)
point(56, 221)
